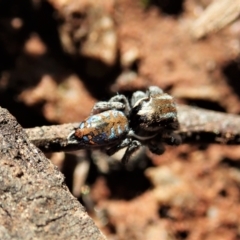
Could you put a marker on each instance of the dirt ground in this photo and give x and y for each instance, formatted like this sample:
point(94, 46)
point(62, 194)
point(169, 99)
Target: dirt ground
point(58, 57)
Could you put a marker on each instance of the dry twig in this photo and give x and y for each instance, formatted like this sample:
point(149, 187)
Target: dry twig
point(196, 126)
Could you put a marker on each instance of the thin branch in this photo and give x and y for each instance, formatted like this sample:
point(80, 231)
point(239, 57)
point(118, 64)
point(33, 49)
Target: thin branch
point(204, 126)
point(196, 126)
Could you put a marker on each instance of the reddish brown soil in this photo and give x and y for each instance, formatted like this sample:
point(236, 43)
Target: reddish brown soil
point(56, 62)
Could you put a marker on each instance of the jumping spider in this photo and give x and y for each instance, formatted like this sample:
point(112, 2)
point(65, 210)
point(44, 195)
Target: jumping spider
point(148, 119)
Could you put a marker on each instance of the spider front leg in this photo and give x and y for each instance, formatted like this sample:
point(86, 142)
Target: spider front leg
point(154, 90)
point(105, 106)
point(132, 146)
point(137, 97)
point(118, 102)
point(156, 147)
point(171, 138)
point(156, 144)
point(122, 99)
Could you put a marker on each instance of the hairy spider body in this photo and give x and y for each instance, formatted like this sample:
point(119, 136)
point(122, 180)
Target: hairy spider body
point(149, 119)
point(157, 112)
point(101, 129)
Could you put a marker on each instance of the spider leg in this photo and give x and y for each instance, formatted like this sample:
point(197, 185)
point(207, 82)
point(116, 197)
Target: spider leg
point(171, 138)
point(156, 147)
point(132, 146)
point(123, 100)
point(105, 106)
point(138, 96)
point(154, 90)
point(110, 151)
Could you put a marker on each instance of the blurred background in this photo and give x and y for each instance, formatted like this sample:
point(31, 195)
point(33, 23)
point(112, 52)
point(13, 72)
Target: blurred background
point(58, 57)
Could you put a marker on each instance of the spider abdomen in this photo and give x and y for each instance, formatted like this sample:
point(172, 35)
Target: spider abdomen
point(101, 129)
